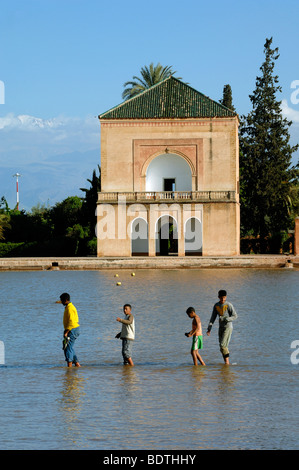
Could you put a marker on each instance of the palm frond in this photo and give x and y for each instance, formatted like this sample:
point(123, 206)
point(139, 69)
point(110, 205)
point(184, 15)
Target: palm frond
point(150, 75)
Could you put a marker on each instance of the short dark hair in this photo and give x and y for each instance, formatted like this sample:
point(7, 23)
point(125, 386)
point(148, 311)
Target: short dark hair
point(222, 293)
point(127, 305)
point(65, 296)
point(190, 310)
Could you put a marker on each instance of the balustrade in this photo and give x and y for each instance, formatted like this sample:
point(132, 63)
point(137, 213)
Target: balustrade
point(152, 196)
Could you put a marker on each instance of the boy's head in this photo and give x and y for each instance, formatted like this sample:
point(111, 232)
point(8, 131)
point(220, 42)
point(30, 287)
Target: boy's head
point(127, 309)
point(190, 312)
point(65, 298)
point(222, 296)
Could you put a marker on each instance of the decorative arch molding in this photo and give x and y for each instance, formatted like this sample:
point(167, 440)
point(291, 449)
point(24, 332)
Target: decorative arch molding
point(146, 150)
point(159, 221)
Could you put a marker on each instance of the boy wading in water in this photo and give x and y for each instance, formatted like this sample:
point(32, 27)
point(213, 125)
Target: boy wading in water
point(71, 330)
point(227, 314)
point(196, 334)
point(127, 334)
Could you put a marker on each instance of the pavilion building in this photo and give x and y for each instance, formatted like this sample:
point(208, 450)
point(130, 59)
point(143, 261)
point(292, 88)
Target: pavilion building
point(170, 175)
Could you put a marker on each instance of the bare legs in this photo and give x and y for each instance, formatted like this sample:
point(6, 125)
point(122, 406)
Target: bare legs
point(196, 356)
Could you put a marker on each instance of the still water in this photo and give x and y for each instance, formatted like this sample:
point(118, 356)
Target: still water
point(164, 402)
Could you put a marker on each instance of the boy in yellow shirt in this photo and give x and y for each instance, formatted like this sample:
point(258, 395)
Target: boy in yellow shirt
point(71, 330)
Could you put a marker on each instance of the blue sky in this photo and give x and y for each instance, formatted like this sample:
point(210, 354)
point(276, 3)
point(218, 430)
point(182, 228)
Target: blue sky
point(64, 62)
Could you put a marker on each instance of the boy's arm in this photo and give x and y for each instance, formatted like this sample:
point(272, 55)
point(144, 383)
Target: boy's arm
point(212, 319)
point(232, 313)
point(126, 322)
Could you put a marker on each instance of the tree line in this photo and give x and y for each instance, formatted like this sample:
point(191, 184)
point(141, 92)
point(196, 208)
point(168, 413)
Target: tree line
point(269, 187)
point(66, 229)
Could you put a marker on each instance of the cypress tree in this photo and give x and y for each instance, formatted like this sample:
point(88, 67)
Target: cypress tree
point(266, 174)
point(227, 99)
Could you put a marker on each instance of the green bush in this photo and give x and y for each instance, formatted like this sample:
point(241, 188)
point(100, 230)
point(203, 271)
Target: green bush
point(10, 249)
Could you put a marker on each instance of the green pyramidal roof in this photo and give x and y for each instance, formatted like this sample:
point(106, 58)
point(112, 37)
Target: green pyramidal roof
point(170, 98)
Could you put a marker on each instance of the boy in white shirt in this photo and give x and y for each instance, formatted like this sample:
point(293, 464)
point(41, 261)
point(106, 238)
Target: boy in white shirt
point(127, 334)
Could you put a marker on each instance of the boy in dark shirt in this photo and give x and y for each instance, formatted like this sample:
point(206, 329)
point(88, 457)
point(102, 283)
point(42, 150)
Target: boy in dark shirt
point(227, 314)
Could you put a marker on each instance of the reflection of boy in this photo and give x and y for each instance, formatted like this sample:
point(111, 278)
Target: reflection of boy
point(127, 334)
point(227, 314)
point(196, 334)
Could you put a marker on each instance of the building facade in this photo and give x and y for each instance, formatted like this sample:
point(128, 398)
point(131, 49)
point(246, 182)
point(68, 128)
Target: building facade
point(170, 176)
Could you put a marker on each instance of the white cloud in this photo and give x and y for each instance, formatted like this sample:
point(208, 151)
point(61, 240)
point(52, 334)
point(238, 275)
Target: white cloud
point(290, 113)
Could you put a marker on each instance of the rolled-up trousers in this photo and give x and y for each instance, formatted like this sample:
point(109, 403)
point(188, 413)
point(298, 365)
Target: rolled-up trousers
point(224, 335)
point(69, 352)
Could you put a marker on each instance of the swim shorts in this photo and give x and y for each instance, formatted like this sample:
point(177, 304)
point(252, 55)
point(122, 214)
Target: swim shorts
point(197, 343)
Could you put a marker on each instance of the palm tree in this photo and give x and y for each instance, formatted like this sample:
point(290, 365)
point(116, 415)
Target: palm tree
point(150, 76)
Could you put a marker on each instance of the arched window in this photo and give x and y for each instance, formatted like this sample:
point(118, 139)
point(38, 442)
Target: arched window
point(166, 236)
point(139, 237)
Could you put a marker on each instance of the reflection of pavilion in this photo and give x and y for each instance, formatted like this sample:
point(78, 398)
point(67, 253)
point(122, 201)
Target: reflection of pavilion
point(169, 161)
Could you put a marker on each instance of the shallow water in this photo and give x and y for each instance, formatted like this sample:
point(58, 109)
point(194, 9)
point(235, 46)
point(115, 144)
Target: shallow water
point(164, 402)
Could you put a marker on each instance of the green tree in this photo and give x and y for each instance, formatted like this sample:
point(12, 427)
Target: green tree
point(90, 202)
point(4, 217)
point(4, 208)
point(76, 233)
point(4, 225)
point(149, 76)
point(267, 177)
point(227, 99)
point(66, 214)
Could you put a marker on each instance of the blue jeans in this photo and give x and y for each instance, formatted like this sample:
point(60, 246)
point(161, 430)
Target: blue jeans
point(69, 352)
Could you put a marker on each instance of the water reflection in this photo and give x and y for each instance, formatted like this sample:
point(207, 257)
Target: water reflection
point(71, 404)
point(130, 381)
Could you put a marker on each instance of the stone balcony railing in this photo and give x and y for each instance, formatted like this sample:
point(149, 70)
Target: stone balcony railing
point(167, 196)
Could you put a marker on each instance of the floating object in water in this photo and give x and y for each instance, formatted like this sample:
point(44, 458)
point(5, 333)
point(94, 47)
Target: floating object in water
point(132, 274)
point(288, 264)
point(115, 275)
point(118, 283)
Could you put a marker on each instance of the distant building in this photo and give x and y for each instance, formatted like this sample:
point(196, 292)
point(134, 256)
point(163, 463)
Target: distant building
point(170, 175)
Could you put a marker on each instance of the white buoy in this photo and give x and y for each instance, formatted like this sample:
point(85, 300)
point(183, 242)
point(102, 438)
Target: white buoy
point(132, 274)
point(118, 283)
